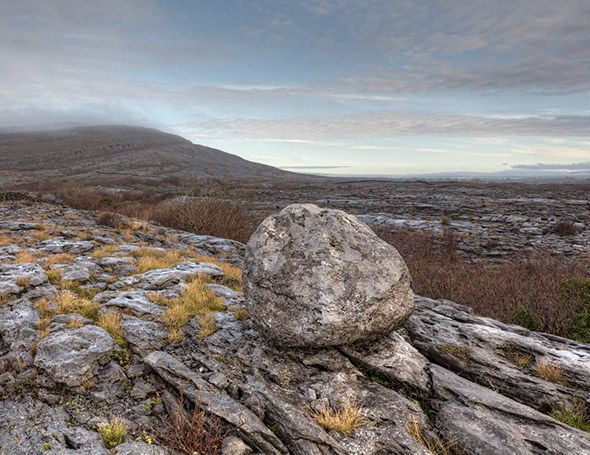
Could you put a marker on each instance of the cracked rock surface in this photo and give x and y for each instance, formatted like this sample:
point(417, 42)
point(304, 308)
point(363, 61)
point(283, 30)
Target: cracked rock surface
point(446, 377)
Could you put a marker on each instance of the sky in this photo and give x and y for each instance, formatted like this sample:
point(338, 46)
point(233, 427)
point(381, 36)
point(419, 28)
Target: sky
point(382, 87)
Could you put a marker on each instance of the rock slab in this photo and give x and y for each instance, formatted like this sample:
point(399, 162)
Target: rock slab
point(318, 277)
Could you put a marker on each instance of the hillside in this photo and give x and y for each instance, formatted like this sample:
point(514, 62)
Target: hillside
point(112, 154)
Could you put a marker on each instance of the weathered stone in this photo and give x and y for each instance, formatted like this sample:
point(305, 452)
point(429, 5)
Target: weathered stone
point(480, 421)
point(144, 336)
point(136, 302)
point(73, 356)
point(501, 356)
point(319, 277)
point(12, 274)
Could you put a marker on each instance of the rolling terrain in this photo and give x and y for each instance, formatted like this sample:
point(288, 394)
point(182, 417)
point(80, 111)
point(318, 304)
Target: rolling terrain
point(116, 154)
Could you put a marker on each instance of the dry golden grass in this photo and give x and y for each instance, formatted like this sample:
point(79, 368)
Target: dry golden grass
point(75, 323)
point(549, 372)
point(240, 314)
point(4, 298)
point(196, 299)
point(151, 259)
point(105, 251)
point(23, 282)
point(232, 275)
point(344, 420)
point(433, 443)
point(111, 322)
point(54, 275)
point(68, 302)
point(44, 308)
point(76, 288)
point(43, 326)
point(24, 256)
point(174, 318)
point(114, 432)
point(208, 326)
point(62, 258)
point(6, 240)
point(40, 235)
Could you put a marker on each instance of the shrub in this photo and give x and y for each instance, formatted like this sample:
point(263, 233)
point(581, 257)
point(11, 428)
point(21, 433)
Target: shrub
point(525, 318)
point(191, 433)
point(111, 219)
point(79, 197)
point(578, 290)
point(208, 215)
point(528, 291)
point(564, 228)
point(113, 433)
point(345, 419)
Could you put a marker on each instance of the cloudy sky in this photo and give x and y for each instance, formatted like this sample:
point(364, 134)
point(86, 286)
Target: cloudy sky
point(338, 86)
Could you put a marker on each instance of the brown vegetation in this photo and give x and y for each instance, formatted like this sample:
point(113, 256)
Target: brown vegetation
point(208, 216)
point(345, 419)
point(528, 292)
point(191, 433)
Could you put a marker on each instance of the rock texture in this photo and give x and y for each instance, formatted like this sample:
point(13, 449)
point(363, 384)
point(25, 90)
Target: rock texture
point(446, 379)
point(318, 277)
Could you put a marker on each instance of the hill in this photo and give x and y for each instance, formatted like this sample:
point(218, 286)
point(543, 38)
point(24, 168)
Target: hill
point(111, 154)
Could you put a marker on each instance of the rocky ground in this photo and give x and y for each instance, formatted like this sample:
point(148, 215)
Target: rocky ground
point(93, 338)
point(491, 220)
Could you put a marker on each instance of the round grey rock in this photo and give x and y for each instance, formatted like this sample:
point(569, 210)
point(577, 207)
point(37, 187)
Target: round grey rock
point(318, 277)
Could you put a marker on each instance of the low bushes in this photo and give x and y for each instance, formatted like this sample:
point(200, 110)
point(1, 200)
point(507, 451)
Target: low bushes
point(544, 293)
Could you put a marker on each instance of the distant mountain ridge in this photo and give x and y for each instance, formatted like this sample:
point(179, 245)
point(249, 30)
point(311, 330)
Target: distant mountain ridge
point(94, 152)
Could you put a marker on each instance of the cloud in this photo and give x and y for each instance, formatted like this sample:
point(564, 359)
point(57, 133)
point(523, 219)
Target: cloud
point(583, 166)
point(388, 124)
point(315, 167)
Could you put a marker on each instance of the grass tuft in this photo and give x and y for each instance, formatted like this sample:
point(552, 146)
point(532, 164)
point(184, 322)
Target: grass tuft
point(575, 415)
point(344, 420)
point(105, 251)
point(67, 302)
point(24, 282)
point(460, 352)
point(549, 372)
point(24, 257)
point(196, 299)
point(152, 259)
point(54, 275)
point(113, 433)
point(191, 433)
point(62, 258)
point(433, 443)
point(208, 326)
point(111, 322)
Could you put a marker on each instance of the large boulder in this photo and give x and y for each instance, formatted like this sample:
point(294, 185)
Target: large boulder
point(318, 277)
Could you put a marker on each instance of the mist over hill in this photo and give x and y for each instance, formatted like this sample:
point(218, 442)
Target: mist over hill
point(113, 153)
